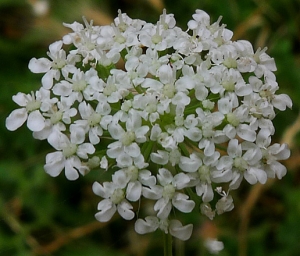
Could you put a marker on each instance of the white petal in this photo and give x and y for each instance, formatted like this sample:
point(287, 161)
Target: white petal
point(70, 171)
point(58, 140)
point(152, 84)
point(41, 65)
point(120, 179)
point(165, 74)
point(254, 175)
point(124, 209)
point(181, 202)
point(201, 92)
point(163, 206)
point(21, 99)
point(107, 210)
point(253, 156)
point(161, 157)
point(279, 169)
point(234, 149)
point(133, 150)
point(47, 79)
point(16, 119)
point(55, 163)
point(114, 149)
point(115, 130)
point(281, 152)
point(155, 132)
point(94, 134)
point(85, 110)
point(246, 133)
point(63, 88)
point(134, 191)
point(205, 190)
point(188, 164)
point(55, 47)
point(146, 178)
point(213, 246)
point(221, 176)
point(77, 134)
point(282, 101)
point(194, 134)
point(225, 204)
point(35, 122)
point(181, 232)
point(104, 163)
point(181, 180)
point(140, 134)
point(124, 160)
point(206, 210)
point(243, 89)
point(164, 177)
point(84, 149)
point(154, 192)
point(150, 224)
point(98, 189)
point(236, 180)
point(224, 106)
point(209, 147)
point(181, 98)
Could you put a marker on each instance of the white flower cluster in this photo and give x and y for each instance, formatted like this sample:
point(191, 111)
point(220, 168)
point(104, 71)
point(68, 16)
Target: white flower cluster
point(177, 117)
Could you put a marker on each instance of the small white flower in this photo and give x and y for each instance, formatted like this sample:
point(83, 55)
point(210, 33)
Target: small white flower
point(60, 62)
point(213, 245)
point(67, 156)
point(151, 223)
point(167, 195)
point(32, 106)
point(114, 198)
point(127, 140)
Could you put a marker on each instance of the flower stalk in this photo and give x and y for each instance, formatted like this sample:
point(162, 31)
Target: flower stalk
point(168, 244)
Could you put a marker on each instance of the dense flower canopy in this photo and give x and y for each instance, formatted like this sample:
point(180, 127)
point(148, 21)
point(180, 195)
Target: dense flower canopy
point(177, 117)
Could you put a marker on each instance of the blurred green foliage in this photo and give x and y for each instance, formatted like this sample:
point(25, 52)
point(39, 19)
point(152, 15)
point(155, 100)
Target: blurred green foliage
point(40, 215)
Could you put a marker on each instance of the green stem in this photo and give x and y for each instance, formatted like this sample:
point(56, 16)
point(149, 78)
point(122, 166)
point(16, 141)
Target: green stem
point(167, 244)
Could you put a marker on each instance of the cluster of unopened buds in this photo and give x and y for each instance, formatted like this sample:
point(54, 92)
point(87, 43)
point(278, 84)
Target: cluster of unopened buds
point(178, 118)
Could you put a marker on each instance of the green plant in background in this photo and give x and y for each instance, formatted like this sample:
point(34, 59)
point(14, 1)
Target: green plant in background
point(175, 120)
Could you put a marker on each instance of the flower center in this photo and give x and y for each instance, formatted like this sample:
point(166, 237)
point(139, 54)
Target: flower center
point(120, 39)
point(240, 163)
point(169, 90)
point(69, 150)
point(204, 173)
point(90, 45)
point(56, 117)
point(232, 119)
point(33, 105)
point(156, 39)
point(79, 86)
point(265, 94)
point(151, 108)
point(230, 63)
point(133, 173)
point(179, 120)
point(228, 86)
point(128, 138)
point(94, 119)
point(109, 89)
point(207, 130)
point(169, 191)
point(58, 64)
point(117, 196)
